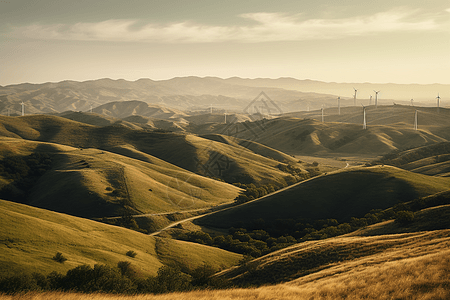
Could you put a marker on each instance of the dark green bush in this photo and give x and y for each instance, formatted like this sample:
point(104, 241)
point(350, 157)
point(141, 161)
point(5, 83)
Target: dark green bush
point(131, 253)
point(59, 257)
point(404, 217)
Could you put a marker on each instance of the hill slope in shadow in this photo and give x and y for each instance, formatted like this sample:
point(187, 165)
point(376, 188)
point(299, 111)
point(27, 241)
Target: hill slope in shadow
point(340, 195)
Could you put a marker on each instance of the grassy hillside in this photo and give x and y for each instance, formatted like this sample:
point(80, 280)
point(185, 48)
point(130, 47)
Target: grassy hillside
point(381, 115)
point(429, 160)
point(96, 183)
point(31, 237)
point(232, 163)
point(412, 267)
point(125, 109)
point(351, 192)
point(341, 135)
point(88, 118)
point(252, 146)
point(313, 260)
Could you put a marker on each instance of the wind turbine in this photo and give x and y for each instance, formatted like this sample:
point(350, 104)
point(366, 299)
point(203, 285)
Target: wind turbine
point(438, 100)
point(376, 98)
point(225, 117)
point(364, 117)
point(322, 113)
point(23, 108)
point(412, 102)
point(339, 105)
point(354, 97)
point(91, 108)
point(370, 100)
point(415, 120)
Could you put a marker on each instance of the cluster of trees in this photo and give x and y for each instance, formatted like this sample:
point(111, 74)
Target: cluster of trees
point(263, 237)
point(22, 172)
point(124, 279)
point(252, 192)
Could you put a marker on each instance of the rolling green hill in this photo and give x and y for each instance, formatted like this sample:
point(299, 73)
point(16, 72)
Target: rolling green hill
point(31, 237)
point(96, 183)
point(314, 260)
point(230, 162)
point(351, 192)
point(311, 137)
point(429, 160)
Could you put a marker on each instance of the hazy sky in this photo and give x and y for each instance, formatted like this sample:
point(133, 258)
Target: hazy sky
point(406, 41)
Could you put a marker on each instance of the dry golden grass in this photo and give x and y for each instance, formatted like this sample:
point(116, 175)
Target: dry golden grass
point(418, 267)
point(425, 277)
point(30, 237)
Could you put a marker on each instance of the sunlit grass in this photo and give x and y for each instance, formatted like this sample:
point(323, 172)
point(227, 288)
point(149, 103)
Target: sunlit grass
point(424, 277)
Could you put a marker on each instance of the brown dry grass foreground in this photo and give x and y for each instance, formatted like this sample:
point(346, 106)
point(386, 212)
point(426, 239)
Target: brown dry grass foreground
point(424, 277)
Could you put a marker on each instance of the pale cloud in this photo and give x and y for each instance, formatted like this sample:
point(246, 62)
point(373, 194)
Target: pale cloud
point(267, 27)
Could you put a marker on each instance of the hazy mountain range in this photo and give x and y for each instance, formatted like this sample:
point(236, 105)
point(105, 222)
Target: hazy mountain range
point(209, 93)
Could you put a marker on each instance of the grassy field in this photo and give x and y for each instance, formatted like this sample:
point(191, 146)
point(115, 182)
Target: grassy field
point(230, 162)
point(388, 128)
point(404, 274)
point(350, 192)
point(97, 183)
point(31, 237)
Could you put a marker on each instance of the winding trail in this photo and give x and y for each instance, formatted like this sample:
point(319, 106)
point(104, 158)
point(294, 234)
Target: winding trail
point(228, 207)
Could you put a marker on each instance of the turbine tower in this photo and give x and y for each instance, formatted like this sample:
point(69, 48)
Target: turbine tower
point(322, 113)
point(412, 102)
point(438, 100)
point(364, 118)
point(354, 97)
point(91, 108)
point(370, 100)
point(339, 105)
point(23, 108)
point(225, 117)
point(415, 121)
point(376, 98)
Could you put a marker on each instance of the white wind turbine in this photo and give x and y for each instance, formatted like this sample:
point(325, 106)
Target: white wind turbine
point(322, 113)
point(376, 98)
point(339, 105)
point(438, 98)
point(364, 117)
point(23, 108)
point(370, 100)
point(354, 97)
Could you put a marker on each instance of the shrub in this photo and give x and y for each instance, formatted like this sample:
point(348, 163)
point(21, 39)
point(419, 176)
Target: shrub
point(59, 257)
point(131, 254)
point(404, 217)
point(126, 269)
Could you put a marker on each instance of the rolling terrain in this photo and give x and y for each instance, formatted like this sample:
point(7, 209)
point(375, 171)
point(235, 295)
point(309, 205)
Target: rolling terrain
point(30, 237)
point(306, 136)
point(230, 162)
point(96, 183)
point(340, 195)
point(433, 160)
point(180, 93)
point(169, 166)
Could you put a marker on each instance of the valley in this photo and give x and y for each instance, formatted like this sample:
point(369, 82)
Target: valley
point(256, 203)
